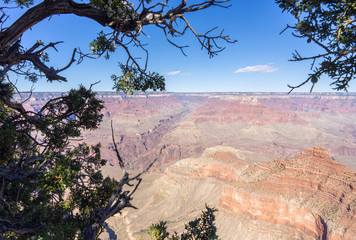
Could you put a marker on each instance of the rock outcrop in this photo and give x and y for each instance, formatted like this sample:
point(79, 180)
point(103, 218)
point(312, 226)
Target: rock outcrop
point(308, 196)
point(305, 197)
point(184, 124)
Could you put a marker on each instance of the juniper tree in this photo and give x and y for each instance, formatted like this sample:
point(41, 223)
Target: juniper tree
point(331, 25)
point(51, 188)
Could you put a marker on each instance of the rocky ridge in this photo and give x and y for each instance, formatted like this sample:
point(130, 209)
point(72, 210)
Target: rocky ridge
point(305, 197)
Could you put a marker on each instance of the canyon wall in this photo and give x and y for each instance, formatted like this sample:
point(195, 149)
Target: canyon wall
point(267, 124)
point(305, 197)
point(243, 153)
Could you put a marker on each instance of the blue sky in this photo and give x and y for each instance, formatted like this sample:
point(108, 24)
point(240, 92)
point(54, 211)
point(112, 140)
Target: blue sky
point(258, 62)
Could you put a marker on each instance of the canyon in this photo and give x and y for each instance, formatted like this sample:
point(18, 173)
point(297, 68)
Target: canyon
point(305, 197)
point(276, 166)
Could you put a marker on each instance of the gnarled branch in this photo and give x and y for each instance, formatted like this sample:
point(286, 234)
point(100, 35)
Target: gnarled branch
point(119, 199)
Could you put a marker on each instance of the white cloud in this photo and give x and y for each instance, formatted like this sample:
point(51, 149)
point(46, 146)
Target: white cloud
point(257, 68)
point(174, 73)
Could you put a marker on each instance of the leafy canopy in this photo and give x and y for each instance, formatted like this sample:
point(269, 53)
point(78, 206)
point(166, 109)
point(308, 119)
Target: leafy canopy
point(331, 24)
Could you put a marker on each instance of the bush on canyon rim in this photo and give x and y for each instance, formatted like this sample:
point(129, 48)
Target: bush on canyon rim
point(50, 186)
point(200, 228)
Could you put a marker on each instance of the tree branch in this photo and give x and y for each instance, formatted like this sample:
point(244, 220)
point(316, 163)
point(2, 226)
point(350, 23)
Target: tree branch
point(125, 26)
point(119, 199)
point(16, 228)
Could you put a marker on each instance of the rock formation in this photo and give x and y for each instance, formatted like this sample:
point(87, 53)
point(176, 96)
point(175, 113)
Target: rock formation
point(305, 197)
point(299, 196)
point(184, 124)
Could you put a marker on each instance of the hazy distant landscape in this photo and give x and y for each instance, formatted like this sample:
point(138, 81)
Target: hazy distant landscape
point(218, 146)
point(267, 125)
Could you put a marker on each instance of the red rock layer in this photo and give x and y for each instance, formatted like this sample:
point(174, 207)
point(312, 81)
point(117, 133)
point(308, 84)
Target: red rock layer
point(306, 197)
point(232, 111)
point(309, 193)
point(261, 123)
point(127, 107)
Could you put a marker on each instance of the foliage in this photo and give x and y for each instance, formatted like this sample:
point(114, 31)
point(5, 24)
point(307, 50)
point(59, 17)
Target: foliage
point(102, 45)
point(331, 24)
point(200, 228)
point(115, 9)
point(20, 3)
point(133, 80)
point(43, 180)
point(158, 231)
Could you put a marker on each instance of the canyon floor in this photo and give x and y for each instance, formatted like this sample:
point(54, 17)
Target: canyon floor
point(276, 166)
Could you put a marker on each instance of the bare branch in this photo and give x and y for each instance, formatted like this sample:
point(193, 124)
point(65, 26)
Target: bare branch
point(119, 199)
point(50, 73)
point(72, 60)
point(35, 46)
point(122, 165)
point(298, 86)
point(52, 45)
point(297, 57)
point(149, 166)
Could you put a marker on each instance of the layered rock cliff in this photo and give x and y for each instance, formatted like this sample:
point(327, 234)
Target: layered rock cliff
point(268, 124)
point(305, 197)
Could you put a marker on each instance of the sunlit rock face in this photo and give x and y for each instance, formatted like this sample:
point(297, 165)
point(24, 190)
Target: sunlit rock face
point(221, 149)
point(184, 124)
point(267, 124)
point(305, 197)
